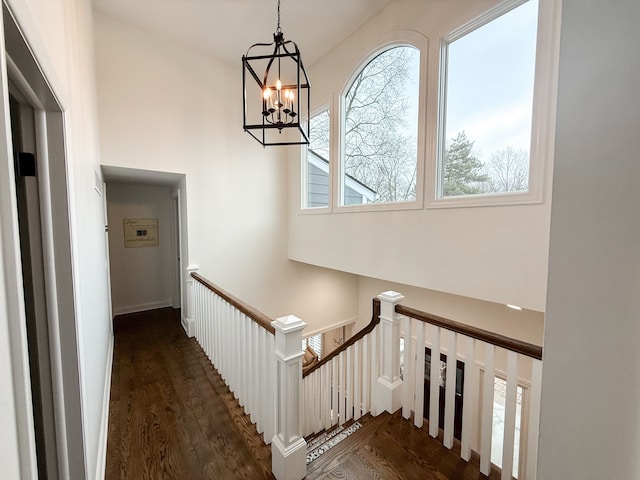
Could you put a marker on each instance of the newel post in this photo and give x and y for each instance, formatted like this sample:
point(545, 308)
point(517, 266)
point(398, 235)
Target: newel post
point(288, 448)
point(189, 317)
point(389, 385)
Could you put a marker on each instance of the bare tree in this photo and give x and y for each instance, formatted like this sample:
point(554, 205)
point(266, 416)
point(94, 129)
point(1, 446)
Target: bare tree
point(508, 170)
point(379, 151)
point(319, 134)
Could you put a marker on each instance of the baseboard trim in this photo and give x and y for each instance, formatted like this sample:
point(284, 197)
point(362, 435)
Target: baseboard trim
point(141, 307)
point(101, 463)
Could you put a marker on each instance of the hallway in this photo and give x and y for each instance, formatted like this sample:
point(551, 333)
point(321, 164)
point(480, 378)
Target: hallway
point(171, 416)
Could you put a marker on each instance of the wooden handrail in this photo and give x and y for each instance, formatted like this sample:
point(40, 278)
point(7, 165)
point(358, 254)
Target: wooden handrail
point(518, 346)
point(255, 315)
point(375, 319)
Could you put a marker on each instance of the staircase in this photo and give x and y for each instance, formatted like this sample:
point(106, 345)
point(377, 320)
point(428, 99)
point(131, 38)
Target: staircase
point(389, 447)
point(260, 360)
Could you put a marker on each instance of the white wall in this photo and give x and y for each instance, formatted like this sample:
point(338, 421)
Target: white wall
point(590, 424)
point(141, 278)
point(169, 108)
point(525, 325)
point(59, 33)
point(497, 253)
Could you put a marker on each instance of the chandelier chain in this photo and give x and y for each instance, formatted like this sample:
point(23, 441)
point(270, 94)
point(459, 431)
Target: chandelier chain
point(278, 30)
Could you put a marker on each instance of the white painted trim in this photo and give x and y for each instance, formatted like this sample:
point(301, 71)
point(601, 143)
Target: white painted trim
point(12, 301)
point(543, 110)
point(328, 328)
point(393, 39)
point(304, 187)
point(188, 325)
point(141, 307)
point(101, 461)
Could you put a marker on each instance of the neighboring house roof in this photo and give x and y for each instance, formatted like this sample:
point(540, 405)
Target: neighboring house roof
point(356, 185)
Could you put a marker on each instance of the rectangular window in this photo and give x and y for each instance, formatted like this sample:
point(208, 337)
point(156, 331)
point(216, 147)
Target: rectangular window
point(487, 103)
point(316, 178)
point(315, 342)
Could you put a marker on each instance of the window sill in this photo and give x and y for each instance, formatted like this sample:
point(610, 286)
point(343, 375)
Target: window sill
point(379, 207)
point(486, 200)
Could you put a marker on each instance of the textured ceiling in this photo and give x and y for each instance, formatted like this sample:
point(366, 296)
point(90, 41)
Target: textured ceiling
point(227, 28)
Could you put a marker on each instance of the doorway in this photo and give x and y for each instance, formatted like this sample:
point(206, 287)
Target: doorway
point(442, 381)
point(33, 277)
point(157, 198)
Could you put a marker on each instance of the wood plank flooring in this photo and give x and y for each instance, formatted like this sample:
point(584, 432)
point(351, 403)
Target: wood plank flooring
point(171, 416)
point(388, 447)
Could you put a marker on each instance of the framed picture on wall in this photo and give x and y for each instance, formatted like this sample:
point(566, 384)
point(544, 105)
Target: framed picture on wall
point(140, 232)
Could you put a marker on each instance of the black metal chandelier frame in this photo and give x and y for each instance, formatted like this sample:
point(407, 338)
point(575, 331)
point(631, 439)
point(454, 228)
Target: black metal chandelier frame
point(282, 107)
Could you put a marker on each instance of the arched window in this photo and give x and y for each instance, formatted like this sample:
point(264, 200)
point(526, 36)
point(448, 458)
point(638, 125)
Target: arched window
point(380, 130)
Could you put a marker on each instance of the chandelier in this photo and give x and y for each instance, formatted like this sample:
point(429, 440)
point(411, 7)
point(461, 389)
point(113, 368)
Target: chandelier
point(275, 92)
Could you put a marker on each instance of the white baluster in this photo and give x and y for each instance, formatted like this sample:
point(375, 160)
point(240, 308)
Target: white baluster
point(418, 408)
point(335, 387)
point(510, 415)
point(357, 381)
point(487, 409)
point(326, 396)
point(434, 374)
point(450, 389)
point(259, 378)
point(366, 373)
point(375, 371)
point(471, 399)
point(270, 398)
point(349, 390)
point(342, 381)
point(407, 398)
point(533, 424)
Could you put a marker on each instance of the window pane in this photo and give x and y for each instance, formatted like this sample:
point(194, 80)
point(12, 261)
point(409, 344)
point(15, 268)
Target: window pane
point(318, 161)
point(489, 97)
point(380, 130)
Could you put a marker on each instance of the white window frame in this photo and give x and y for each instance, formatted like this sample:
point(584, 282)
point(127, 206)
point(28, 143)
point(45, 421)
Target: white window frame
point(543, 115)
point(395, 39)
point(315, 342)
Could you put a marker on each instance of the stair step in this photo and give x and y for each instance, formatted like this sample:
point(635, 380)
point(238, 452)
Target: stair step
point(333, 438)
point(323, 437)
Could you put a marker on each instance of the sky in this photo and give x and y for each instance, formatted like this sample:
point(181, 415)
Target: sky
point(490, 82)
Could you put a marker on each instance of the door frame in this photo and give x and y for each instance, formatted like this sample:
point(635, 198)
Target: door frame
point(17, 62)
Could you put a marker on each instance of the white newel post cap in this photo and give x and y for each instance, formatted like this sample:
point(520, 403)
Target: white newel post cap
point(192, 268)
point(288, 336)
point(388, 302)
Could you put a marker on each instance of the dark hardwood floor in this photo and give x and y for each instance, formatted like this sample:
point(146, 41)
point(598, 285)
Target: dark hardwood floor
point(389, 447)
point(172, 417)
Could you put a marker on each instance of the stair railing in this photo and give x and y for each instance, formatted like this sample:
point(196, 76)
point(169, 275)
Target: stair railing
point(339, 387)
point(364, 375)
point(480, 351)
point(261, 361)
point(239, 341)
